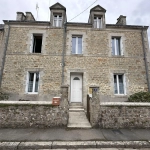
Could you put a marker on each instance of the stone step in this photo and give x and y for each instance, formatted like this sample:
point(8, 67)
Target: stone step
point(79, 126)
point(76, 104)
point(78, 119)
point(76, 109)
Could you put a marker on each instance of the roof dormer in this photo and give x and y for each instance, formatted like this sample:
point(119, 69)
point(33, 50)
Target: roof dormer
point(58, 15)
point(97, 17)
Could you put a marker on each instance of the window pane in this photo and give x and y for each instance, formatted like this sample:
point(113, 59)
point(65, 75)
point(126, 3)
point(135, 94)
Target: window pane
point(76, 78)
point(73, 45)
point(115, 84)
point(36, 82)
point(118, 46)
point(31, 78)
point(55, 22)
point(60, 22)
point(113, 46)
point(99, 23)
point(79, 45)
point(121, 86)
point(95, 23)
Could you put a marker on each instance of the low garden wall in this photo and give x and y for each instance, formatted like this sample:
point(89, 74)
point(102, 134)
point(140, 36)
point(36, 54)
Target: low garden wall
point(40, 114)
point(118, 114)
point(22, 114)
point(124, 115)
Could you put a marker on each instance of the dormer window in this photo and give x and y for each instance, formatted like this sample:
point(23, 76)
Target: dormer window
point(57, 22)
point(97, 22)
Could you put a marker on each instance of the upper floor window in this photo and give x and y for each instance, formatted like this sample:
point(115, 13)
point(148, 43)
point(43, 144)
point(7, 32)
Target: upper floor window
point(33, 82)
point(77, 45)
point(57, 22)
point(119, 84)
point(116, 46)
point(97, 22)
point(36, 43)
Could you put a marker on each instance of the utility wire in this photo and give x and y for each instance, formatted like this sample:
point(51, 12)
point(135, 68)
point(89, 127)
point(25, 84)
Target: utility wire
point(83, 11)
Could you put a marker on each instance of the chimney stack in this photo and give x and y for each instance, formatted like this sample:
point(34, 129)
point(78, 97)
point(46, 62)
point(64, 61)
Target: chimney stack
point(29, 16)
point(121, 20)
point(20, 16)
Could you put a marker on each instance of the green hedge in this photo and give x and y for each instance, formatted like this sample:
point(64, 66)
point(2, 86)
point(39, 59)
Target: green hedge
point(3, 96)
point(140, 97)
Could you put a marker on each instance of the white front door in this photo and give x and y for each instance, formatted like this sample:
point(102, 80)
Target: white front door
point(76, 88)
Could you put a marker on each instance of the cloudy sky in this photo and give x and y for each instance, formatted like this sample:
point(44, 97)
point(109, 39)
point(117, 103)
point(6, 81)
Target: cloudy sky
point(137, 11)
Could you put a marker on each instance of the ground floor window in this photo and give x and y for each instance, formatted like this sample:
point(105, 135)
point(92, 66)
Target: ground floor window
point(33, 82)
point(119, 84)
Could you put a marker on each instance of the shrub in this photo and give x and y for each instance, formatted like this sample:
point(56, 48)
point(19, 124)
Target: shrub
point(140, 97)
point(3, 96)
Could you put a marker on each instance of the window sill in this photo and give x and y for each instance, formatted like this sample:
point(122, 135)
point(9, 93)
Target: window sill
point(57, 27)
point(32, 93)
point(98, 28)
point(120, 95)
point(35, 53)
point(117, 56)
point(77, 54)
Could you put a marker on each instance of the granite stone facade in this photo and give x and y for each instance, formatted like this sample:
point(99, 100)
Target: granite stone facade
point(96, 62)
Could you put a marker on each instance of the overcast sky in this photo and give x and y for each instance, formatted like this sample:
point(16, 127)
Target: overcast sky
point(137, 11)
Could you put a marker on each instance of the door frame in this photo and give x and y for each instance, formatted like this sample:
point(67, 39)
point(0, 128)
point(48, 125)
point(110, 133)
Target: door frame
point(76, 73)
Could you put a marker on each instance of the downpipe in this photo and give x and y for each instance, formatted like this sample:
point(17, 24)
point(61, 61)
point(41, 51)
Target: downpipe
point(145, 59)
point(4, 55)
point(63, 52)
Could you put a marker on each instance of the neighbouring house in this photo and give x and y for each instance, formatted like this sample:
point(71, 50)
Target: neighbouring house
point(41, 56)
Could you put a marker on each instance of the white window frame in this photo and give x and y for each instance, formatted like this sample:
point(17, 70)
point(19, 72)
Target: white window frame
point(32, 42)
point(76, 47)
point(57, 20)
point(34, 78)
point(115, 46)
point(124, 84)
point(98, 22)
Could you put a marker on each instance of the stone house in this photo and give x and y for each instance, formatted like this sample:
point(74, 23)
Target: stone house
point(42, 56)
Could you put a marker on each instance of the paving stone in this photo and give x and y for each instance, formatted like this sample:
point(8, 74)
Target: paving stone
point(108, 144)
point(9, 145)
point(77, 144)
point(35, 145)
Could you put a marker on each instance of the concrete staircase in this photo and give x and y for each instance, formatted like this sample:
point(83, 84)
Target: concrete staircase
point(77, 117)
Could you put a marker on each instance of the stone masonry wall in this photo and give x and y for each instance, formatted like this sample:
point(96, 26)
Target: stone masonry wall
point(124, 115)
point(32, 115)
point(43, 114)
point(96, 63)
point(19, 61)
point(118, 114)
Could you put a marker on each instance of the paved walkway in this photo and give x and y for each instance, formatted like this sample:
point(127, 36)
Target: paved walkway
point(62, 134)
point(61, 138)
